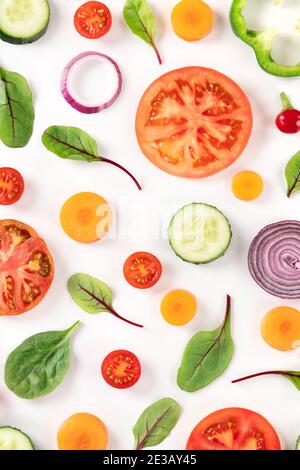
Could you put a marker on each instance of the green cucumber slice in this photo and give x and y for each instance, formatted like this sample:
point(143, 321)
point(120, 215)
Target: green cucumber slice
point(199, 233)
point(298, 444)
point(23, 21)
point(14, 439)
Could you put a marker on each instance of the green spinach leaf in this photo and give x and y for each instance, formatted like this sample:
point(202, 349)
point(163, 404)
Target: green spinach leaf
point(38, 365)
point(142, 22)
point(292, 375)
point(16, 109)
point(156, 423)
point(206, 356)
point(292, 174)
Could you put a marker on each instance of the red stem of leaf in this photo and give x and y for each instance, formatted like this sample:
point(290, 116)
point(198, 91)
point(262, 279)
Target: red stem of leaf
point(260, 374)
point(115, 314)
point(157, 54)
point(111, 162)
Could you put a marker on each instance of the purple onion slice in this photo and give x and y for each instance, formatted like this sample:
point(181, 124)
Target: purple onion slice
point(274, 259)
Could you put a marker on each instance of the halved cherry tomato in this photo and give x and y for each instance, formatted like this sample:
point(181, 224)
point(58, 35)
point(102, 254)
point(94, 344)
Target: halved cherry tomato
point(193, 122)
point(26, 268)
point(92, 20)
point(142, 270)
point(234, 429)
point(121, 369)
point(11, 186)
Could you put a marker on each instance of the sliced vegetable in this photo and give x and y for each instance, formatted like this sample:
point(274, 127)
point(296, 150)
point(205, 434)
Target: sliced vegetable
point(156, 423)
point(288, 121)
point(142, 270)
point(16, 109)
point(193, 122)
point(86, 217)
point(178, 307)
point(206, 356)
point(292, 174)
point(74, 144)
point(82, 431)
point(121, 369)
point(93, 296)
point(14, 439)
point(11, 186)
point(39, 364)
point(70, 94)
point(23, 21)
point(234, 429)
point(26, 268)
point(192, 19)
point(260, 41)
point(280, 328)
point(247, 185)
point(199, 233)
point(293, 376)
point(274, 259)
point(142, 22)
point(298, 444)
point(92, 20)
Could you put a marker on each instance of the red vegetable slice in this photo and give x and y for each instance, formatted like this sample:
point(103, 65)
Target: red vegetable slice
point(121, 369)
point(11, 186)
point(142, 270)
point(92, 20)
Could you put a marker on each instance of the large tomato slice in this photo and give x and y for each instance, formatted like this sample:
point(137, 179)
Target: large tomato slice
point(234, 429)
point(26, 268)
point(193, 122)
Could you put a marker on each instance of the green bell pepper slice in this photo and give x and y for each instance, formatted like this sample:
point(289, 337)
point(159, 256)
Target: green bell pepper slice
point(260, 41)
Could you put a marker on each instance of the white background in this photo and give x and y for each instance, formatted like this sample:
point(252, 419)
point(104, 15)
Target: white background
point(49, 181)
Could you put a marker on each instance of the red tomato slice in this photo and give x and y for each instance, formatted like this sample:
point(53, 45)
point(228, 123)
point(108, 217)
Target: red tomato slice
point(26, 268)
point(11, 186)
point(234, 429)
point(121, 369)
point(92, 20)
point(142, 270)
point(193, 122)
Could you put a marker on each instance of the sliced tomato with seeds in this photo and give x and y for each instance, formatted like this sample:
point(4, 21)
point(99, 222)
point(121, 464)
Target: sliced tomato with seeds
point(121, 369)
point(142, 270)
point(26, 268)
point(234, 429)
point(92, 20)
point(193, 122)
point(11, 186)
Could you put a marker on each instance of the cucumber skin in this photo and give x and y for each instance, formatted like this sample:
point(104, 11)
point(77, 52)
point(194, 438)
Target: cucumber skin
point(21, 41)
point(212, 259)
point(19, 430)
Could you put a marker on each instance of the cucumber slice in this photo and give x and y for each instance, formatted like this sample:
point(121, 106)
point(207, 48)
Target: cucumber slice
point(298, 444)
point(14, 439)
point(23, 21)
point(199, 233)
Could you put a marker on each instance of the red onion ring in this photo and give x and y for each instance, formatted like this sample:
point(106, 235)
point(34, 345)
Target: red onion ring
point(274, 259)
point(65, 86)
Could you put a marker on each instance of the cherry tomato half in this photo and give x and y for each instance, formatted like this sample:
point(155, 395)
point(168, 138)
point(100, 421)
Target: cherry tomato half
point(92, 20)
point(142, 270)
point(11, 186)
point(121, 369)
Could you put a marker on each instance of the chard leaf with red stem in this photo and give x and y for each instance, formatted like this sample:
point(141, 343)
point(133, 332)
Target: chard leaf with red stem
point(292, 375)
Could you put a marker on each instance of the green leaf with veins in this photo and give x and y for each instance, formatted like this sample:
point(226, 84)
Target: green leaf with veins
point(292, 174)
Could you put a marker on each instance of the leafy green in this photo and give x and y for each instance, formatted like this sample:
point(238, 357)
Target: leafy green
point(156, 423)
point(16, 109)
point(292, 174)
point(93, 296)
point(142, 22)
point(38, 365)
point(206, 356)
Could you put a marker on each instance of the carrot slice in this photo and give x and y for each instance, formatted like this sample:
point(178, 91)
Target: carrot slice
point(82, 431)
point(178, 307)
point(192, 19)
point(247, 185)
point(281, 328)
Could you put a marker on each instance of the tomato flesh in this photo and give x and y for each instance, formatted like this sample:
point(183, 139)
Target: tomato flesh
point(11, 186)
point(121, 369)
point(234, 429)
point(26, 268)
point(142, 270)
point(193, 122)
point(92, 20)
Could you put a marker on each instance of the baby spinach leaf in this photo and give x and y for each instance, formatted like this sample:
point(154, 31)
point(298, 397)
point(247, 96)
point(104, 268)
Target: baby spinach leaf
point(292, 174)
point(292, 375)
point(38, 365)
point(156, 423)
point(206, 356)
point(93, 296)
point(16, 109)
point(142, 22)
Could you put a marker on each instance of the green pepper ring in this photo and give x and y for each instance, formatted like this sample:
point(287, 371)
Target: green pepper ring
point(260, 41)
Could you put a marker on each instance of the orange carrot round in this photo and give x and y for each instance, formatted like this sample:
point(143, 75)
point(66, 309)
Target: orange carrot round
point(82, 431)
point(192, 19)
point(280, 328)
point(247, 185)
point(178, 307)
